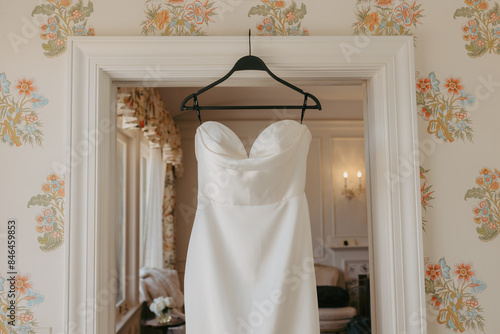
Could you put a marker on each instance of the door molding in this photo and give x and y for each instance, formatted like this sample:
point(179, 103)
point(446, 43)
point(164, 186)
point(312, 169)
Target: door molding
point(100, 64)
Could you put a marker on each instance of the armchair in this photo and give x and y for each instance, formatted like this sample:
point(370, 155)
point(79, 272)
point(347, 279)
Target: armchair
point(332, 320)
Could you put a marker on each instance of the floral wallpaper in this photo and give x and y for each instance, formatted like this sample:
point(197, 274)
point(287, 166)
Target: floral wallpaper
point(280, 19)
point(444, 104)
point(20, 103)
point(387, 17)
point(487, 208)
point(177, 17)
point(457, 102)
point(453, 292)
point(481, 29)
point(50, 221)
point(63, 18)
point(26, 300)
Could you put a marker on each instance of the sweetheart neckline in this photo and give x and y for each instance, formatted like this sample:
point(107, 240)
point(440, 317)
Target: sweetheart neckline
point(240, 142)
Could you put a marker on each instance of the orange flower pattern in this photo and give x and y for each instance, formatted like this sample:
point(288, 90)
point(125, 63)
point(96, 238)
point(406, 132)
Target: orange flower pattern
point(423, 84)
point(25, 87)
point(62, 20)
point(19, 122)
point(174, 17)
point(372, 21)
point(384, 2)
point(161, 19)
point(50, 222)
point(487, 209)
point(280, 20)
point(453, 85)
point(453, 294)
point(464, 272)
point(448, 112)
point(433, 271)
point(198, 12)
point(26, 298)
point(481, 31)
point(21, 284)
point(387, 17)
point(278, 3)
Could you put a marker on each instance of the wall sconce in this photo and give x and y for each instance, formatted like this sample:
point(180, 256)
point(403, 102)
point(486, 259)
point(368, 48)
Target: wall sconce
point(350, 193)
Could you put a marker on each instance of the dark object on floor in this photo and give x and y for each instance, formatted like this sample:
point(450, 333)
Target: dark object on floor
point(364, 295)
point(332, 297)
point(147, 314)
point(359, 325)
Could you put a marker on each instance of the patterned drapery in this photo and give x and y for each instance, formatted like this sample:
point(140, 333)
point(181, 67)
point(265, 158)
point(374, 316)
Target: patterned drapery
point(168, 219)
point(141, 107)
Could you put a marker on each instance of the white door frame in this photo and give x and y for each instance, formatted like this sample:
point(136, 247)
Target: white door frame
point(99, 64)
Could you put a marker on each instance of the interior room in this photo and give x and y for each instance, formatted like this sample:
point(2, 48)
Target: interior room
point(335, 190)
point(409, 93)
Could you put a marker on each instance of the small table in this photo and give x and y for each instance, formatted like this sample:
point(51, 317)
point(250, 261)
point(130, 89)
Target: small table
point(153, 323)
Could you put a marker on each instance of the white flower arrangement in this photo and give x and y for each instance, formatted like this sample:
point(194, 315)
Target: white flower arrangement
point(161, 305)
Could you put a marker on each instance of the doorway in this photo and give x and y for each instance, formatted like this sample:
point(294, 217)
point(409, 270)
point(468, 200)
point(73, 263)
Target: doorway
point(386, 68)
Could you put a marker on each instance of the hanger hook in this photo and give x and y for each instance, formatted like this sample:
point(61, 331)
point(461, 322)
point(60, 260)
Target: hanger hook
point(249, 41)
point(196, 106)
point(304, 106)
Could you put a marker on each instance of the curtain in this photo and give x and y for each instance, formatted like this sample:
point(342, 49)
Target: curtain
point(152, 244)
point(143, 108)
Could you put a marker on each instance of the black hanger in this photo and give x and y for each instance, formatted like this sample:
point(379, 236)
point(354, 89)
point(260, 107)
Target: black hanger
point(244, 64)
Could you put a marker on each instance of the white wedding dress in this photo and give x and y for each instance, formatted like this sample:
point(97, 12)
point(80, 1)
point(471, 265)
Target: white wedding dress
point(250, 267)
